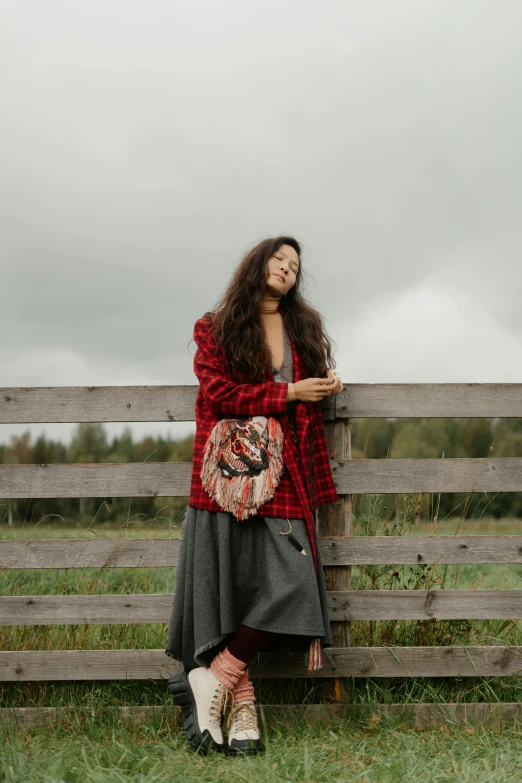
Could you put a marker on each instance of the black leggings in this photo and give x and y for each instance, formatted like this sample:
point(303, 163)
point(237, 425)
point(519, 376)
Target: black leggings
point(246, 642)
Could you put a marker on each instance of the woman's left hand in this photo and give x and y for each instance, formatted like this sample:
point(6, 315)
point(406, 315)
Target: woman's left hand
point(337, 385)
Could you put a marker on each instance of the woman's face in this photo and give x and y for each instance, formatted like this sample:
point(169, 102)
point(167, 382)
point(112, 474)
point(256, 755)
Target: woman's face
point(282, 269)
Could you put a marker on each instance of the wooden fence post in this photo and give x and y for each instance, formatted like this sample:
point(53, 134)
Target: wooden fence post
point(335, 519)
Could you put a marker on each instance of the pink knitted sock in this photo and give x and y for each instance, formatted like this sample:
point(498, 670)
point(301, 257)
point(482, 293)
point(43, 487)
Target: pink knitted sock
point(227, 668)
point(244, 690)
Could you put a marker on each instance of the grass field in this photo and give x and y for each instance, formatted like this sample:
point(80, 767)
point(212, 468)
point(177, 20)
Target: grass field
point(110, 752)
point(96, 746)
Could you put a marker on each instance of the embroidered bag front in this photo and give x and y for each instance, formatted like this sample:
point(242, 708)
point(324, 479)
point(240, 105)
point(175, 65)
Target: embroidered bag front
point(243, 463)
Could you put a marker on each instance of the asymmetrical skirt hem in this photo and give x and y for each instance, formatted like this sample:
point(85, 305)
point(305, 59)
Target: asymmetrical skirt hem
point(209, 646)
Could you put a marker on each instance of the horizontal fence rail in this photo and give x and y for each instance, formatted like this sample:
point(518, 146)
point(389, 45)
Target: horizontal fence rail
point(358, 550)
point(39, 404)
point(350, 605)
point(338, 662)
point(33, 404)
point(172, 479)
point(418, 716)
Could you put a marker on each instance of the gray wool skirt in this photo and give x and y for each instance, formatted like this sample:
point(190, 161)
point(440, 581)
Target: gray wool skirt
point(234, 571)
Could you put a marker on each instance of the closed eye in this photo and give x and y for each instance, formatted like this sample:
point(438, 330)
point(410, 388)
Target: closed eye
point(293, 268)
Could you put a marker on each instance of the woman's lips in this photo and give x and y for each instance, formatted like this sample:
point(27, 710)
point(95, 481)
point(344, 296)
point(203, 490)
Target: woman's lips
point(281, 278)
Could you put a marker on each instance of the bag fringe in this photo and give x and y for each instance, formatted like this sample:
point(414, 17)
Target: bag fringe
point(315, 655)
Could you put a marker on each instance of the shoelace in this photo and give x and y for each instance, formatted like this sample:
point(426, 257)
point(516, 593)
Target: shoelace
point(244, 717)
point(219, 702)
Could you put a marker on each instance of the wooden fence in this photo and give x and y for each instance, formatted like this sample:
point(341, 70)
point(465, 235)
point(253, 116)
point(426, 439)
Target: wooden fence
point(339, 550)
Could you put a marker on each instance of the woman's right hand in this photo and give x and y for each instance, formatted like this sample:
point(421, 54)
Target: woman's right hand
point(313, 389)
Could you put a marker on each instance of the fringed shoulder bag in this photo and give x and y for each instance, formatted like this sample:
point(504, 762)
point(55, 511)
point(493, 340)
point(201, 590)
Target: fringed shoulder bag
point(243, 463)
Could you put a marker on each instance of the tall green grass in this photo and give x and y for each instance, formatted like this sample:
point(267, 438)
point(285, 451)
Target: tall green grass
point(375, 519)
point(101, 749)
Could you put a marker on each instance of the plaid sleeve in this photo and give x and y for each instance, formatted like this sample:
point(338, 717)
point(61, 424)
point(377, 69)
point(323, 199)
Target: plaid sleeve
point(223, 396)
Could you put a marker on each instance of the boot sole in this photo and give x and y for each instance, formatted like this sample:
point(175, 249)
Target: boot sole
point(181, 692)
point(244, 748)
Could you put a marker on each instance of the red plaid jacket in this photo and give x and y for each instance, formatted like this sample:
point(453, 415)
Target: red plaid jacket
point(219, 396)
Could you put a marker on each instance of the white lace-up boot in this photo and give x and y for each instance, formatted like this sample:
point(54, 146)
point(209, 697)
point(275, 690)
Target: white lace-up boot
point(203, 699)
point(243, 730)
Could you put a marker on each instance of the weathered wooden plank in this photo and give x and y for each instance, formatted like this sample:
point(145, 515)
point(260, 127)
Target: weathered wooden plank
point(24, 404)
point(359, 400)
point(38, 404)
point(418, 716)
point(426, 716)
point(132, 479)
point(172, 479)
point(347, 605)
point(59, 665)
point(85, 609)
point(71, 665)
point(272, 714)
point(397, 550)
point(78, 553)
point(426, 604)
point(335, 551)
point(503, 474)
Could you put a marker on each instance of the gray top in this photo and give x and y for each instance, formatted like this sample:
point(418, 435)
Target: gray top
point(286, 373)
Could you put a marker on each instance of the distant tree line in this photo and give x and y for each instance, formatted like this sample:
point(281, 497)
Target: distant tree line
point(90, 443)
point(429, 438)
point(373, 438)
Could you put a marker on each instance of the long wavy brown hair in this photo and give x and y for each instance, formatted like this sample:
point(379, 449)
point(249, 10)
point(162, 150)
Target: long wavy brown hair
point(238, 329)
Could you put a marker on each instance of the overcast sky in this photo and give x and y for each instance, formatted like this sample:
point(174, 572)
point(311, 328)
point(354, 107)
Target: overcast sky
point(146, 146)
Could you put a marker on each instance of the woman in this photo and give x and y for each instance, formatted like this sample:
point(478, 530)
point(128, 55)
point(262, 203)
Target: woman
point(252, 580)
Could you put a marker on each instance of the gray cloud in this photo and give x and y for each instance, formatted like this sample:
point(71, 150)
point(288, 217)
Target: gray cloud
point(145, 147)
